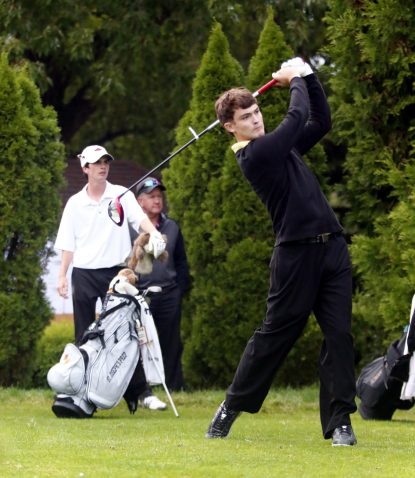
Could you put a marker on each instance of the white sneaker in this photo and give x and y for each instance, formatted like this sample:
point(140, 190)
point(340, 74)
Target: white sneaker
point(153, 403)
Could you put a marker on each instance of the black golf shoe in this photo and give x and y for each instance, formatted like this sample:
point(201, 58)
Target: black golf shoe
point(222, 422)
point(344, 436)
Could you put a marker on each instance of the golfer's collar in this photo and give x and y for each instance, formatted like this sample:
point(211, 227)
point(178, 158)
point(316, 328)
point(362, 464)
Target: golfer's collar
point(109, 193)
point(86, 200)
point(237, 146)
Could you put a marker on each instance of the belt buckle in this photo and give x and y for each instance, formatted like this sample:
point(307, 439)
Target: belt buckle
point(323, 238)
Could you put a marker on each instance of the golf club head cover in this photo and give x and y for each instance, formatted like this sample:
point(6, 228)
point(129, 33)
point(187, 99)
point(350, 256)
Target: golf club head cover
point(123, 282)
point(141, 260)
point(299, 62)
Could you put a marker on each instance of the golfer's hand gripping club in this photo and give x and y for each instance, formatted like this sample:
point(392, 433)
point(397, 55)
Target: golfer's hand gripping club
point(305, 68)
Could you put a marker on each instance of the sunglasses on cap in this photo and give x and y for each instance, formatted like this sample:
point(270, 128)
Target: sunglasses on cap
point(151, 183)
point(148, 185)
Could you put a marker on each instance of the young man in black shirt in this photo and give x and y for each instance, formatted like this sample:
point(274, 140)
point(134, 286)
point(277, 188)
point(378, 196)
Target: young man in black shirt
point(310, 269)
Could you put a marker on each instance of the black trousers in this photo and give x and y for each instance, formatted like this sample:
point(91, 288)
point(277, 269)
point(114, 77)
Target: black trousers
point(166, 309)
point(305, 278)
point(87, 286)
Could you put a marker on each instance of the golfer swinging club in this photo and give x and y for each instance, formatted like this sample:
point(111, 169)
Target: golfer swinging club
point(310, 269)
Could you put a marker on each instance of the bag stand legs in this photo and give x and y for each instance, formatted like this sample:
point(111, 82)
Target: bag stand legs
point(163, 382)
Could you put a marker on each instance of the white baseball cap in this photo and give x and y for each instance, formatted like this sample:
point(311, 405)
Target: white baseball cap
point(92, 154)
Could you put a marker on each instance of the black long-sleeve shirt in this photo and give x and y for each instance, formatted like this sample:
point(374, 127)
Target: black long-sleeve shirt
point(273, 166)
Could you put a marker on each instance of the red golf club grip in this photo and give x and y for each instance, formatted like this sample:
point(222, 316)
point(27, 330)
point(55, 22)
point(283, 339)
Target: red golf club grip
point(265, 87)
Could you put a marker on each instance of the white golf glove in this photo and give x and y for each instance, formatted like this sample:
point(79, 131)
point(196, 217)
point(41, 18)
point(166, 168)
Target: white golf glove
point(156, 244)
point(299, 62)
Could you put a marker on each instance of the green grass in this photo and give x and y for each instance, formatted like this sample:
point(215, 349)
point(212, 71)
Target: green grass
point(283, 440)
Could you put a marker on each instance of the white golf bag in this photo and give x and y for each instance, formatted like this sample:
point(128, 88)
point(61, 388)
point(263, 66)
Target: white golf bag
point(96, 374)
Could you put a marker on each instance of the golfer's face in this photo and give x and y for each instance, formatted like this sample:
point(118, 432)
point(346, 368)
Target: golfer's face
point(98, 171)
point(247, 123)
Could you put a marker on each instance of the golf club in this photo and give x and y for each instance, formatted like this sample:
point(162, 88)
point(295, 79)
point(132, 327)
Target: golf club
point(115, 209)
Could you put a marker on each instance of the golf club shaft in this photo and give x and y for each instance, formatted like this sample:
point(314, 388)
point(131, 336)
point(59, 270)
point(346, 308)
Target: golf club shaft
point(166, 160)
point(195, 138)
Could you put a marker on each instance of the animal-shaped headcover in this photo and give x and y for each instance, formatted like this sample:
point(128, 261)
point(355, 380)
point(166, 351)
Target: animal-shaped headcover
point(141, 260)
point(123, 282)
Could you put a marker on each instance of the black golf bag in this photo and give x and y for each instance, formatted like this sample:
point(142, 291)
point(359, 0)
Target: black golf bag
point(96, 373)
point(380, 383)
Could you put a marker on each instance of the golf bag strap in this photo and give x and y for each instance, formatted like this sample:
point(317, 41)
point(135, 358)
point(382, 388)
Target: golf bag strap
point(92, 334)
point(96, 331)
point(85, 357)
point(105, 313)
point(129, 299)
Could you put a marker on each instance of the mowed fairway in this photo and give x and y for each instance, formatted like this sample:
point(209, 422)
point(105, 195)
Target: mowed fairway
point(283, 440)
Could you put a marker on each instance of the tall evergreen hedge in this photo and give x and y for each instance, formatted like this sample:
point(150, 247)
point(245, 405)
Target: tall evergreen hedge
point(372, 49)
point(31, 171)
point(192, 176)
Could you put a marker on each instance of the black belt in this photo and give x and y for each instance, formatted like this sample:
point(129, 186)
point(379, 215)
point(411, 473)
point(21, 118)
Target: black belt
point(319, 239)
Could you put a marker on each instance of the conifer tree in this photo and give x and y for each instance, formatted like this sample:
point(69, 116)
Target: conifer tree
point(191, 176)
point(31, 172)
point(372, 48)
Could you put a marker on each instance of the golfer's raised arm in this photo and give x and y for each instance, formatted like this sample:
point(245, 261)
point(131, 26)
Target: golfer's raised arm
point(319, 122)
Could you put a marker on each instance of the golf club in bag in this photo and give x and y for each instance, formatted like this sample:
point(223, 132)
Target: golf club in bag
point(115, 209)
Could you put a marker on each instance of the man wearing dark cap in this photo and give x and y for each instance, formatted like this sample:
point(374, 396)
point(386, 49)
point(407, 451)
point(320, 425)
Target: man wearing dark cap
point(172, 276)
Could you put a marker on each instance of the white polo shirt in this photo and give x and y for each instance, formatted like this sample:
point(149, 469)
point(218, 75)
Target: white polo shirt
point(87, 230)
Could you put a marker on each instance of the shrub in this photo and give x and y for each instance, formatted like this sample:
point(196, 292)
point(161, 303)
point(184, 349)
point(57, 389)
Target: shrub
point(31, 172)
point(49, 349)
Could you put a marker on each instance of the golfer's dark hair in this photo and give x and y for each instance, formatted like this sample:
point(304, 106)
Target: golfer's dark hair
point(230, 101)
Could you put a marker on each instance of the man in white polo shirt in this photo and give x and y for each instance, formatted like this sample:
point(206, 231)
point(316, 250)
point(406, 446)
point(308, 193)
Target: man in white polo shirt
point(96, 246)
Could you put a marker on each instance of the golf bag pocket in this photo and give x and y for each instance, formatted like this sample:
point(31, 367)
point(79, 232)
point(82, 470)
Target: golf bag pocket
point(372, 381)
point(68, 375)
point(113, 366)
